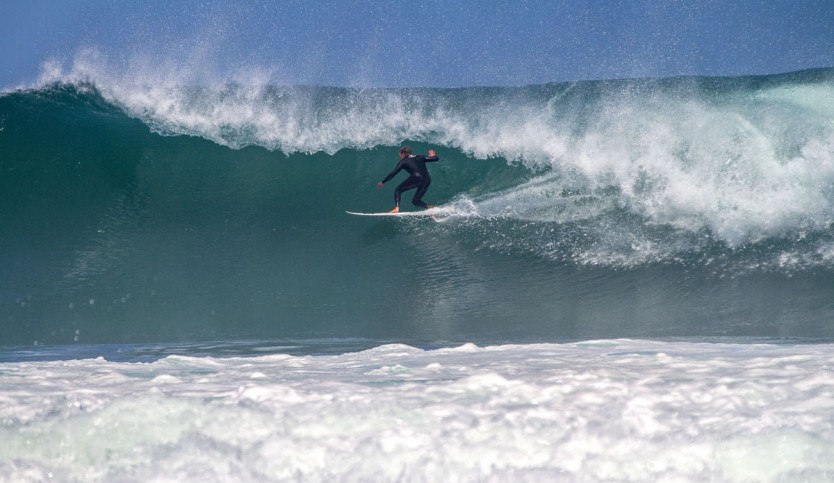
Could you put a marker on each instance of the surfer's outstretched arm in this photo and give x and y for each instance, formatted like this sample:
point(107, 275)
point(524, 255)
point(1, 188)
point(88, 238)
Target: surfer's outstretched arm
point(391, 174)
point(432, 157)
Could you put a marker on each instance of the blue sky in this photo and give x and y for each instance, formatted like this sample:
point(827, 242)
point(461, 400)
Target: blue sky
point(423, 43)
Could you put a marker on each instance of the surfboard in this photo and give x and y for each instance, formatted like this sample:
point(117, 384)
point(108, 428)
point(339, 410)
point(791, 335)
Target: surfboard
point(430, 212)
point(437, 213)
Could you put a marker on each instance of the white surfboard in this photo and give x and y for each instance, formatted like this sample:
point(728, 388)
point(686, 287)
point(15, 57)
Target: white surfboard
point(437, 213)
point(430, 212)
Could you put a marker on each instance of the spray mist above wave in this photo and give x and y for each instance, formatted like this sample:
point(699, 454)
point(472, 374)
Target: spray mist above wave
point(745, 158)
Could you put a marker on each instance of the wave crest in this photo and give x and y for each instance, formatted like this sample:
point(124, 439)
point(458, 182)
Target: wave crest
point(746, 158)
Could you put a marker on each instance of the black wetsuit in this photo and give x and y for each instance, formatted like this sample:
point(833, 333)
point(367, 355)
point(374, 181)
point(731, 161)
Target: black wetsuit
point(418, 177)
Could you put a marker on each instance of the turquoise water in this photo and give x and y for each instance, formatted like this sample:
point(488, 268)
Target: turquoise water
point(688, 207)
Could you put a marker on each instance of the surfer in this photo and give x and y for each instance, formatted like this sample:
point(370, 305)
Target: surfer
point(419, 178)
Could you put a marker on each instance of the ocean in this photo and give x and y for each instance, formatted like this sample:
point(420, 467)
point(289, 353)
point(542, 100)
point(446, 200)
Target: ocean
point(635, 282)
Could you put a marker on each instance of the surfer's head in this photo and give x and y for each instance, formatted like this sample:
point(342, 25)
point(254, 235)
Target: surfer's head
point(405, 151)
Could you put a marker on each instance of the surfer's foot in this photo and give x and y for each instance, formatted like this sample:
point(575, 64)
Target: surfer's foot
point(395, 210)
point(428, 207)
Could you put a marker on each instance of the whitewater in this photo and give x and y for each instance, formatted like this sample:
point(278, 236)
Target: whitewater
point(615, 410)
point(634, 282)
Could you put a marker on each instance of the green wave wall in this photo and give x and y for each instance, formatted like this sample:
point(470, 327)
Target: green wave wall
point(118, 227)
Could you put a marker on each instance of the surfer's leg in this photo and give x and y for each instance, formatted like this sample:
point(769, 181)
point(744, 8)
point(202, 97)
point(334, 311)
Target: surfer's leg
point(418, 196)
point(409, 184)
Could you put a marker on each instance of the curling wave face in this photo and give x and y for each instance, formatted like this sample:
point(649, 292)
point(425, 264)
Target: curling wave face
point(139, 198)
point(745, 158)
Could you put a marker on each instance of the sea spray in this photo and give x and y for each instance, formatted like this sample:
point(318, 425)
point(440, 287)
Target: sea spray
point(745, 158)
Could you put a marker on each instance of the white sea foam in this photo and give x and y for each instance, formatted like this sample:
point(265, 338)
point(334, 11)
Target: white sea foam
point(596, 411)
point(745, 163)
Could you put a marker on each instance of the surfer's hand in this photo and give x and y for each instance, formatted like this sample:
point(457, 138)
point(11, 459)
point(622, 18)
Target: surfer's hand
point(431, 153)
point(379, 185)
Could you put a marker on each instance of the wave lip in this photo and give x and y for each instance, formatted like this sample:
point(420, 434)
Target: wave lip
point(743, 160)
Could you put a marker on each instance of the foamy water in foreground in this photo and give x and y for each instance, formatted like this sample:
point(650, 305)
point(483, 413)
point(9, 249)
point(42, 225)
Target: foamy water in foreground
point(617, 410)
